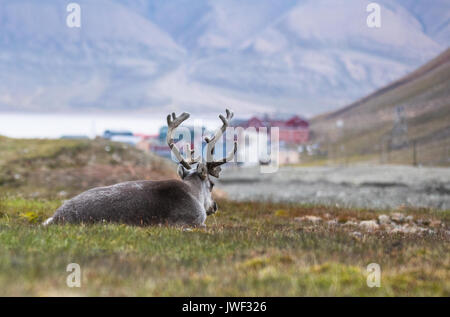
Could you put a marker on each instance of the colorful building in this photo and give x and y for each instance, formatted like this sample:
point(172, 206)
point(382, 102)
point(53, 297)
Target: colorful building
point(294, 130)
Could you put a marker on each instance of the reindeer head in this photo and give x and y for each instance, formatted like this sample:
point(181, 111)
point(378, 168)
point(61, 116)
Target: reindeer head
point(199, 177)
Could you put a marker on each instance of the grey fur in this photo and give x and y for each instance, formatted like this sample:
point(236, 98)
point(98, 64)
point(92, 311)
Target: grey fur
point(173, 202)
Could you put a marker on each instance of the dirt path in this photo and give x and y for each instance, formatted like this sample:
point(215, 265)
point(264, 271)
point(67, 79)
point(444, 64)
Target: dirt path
point(357, 186)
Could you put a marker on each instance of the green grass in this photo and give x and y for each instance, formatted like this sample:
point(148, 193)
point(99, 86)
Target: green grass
point(64, 168)
point(247, 249)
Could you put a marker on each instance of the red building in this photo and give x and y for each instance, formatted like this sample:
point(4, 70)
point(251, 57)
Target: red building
point(294, 130)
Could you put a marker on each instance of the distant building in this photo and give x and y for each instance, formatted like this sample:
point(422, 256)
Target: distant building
point(293, 134)
point(121, 136)
point(294, 130)
point(131, 140)
point(74, 137)
point(109, 134)
point(163, 134)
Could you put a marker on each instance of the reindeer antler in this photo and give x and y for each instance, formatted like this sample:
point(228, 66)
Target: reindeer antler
point(173, 122)
point(212, 165)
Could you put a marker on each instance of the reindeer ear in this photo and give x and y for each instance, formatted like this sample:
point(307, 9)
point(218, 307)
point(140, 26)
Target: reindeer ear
point(182, 172)
point(202, 171)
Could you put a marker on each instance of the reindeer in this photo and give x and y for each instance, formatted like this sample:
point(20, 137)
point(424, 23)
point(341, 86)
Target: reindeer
point(184, 202)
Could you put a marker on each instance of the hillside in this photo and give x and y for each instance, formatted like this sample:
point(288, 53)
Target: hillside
point(368, 129)
point(63, 168)
point(305, 56)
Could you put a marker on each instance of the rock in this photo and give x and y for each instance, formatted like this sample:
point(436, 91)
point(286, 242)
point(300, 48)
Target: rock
point(407, 228)
point(332, 223)
point(398, 217)
point(391, 227)
point(308, 229)
point(424, 222)
point(409, 219)
point(425, 230)
point(356, 234)
point(384, 219)
point(410, 228)
point(369, 225)
point(435, 223)
point(313, 219)
point(350, 223)
point(395, 230)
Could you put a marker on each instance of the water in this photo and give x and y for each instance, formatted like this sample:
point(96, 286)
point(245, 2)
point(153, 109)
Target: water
point(26, 125)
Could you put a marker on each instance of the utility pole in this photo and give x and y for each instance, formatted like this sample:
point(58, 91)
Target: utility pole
point(400, 129)
point(341, 137)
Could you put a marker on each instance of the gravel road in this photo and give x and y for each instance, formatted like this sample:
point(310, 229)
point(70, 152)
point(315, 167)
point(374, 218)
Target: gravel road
point(378, 187)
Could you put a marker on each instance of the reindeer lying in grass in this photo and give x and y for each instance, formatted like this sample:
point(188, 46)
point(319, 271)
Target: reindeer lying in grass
point(177, 202)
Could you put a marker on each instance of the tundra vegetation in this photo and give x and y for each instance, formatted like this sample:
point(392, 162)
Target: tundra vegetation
point(246, 249)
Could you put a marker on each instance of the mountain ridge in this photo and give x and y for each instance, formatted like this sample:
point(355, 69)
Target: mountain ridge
point(442, 58)
point(136, 55)
point(403, 122)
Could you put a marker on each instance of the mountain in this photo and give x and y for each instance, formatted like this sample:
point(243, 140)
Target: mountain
point(106, 64)
point(406, 121)
point(300, 63)
point(425, 14)
point(300, 56)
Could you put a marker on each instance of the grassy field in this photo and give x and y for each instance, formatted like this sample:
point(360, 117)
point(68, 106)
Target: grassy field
point(247, 249)
point(63, 168)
